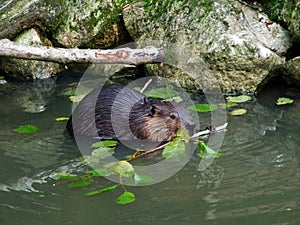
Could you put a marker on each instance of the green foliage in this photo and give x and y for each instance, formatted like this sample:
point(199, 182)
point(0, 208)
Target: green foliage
point(161, 93)
point(207, 152)
point(284, 101)
point(126, 198)
point(68, 92)
point(174, 148)
point(26, 129)
point(203, 107)
point(273, 8)
point(139, 179)
point(106, 143)
point(122, 167)
point(65, 176)
point(81, 182)
point(110, 188)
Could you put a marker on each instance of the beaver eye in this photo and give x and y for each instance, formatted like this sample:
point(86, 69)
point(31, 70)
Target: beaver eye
point(172, 116)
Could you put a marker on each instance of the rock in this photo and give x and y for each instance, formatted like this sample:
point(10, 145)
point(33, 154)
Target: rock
point(90, 23)
point(291, 71)
point(237, 43)
point(84, 24)
point(29, 69)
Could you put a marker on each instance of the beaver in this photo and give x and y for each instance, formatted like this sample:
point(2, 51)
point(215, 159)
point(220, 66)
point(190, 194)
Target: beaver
point(122, 113)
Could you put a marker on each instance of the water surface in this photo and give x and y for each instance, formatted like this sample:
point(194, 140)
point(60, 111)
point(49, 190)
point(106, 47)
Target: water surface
point(255, 181)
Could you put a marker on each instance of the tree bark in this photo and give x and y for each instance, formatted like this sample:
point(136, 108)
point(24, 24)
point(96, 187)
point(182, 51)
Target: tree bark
point(145, 55)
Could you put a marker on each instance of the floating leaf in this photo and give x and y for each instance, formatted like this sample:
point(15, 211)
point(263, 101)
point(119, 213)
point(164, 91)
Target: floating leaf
point(207, 152)
point(89, 160)
point(126, 198)
point(65, 176)
point(138, 178)
point(110, 188)
point(26, 129)
point(76, 98)
point(238, 112)
point(238, 99)
point(106, 143)
point(203, 107)
point(101, 153)
point(177, 99)
point(174, 148)
point(122, 167)
point(99, 172)
point(228, 105)
point(163, 93)
point(68, 92)
point(81, 182)
point(62, 118)
point(42, 196)
point(284, 101)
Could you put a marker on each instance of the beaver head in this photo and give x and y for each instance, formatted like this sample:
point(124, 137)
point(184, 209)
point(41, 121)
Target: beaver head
point(158, 121)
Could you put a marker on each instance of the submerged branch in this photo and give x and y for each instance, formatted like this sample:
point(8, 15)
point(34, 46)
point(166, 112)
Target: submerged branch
point(145, 55)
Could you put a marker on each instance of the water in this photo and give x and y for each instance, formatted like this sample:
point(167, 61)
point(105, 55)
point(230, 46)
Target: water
point(255, 181)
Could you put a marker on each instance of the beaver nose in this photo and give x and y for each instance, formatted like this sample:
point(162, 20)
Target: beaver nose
point(191, 128)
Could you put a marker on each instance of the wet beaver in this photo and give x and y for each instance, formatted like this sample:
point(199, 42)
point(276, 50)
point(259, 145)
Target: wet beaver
point(122, 113)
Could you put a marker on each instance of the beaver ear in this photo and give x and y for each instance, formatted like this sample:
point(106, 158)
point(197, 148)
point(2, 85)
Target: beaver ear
point(152, 110)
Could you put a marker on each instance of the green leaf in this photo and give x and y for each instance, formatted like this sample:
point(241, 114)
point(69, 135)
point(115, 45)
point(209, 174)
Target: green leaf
point(99, 172)
point(68, 92)
point(138, 178)
point(76, 98)
point(26, 129)
point(207, 152)
point(81, 182)
point(183, 134)
point(62, 118)
point(238, 112)
point(64, 176)
point(228, 105)
point(163, 93)
point(126, 198)
point(177, 99)
point(89, 160)
point(238, 99)
point(174, 148)
point(107, 143)
point(101, 153)
point(284, 101)
point(110, 188)
point(203, 107)
point(121, 167)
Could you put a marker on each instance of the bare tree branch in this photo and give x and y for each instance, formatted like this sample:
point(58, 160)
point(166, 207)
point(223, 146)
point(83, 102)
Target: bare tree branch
point(145, 55)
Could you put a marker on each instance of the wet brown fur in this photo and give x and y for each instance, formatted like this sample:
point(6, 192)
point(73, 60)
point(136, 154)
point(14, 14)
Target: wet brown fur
point(118, 112)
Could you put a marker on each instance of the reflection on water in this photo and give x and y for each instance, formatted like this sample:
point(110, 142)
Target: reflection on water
point(255, 181)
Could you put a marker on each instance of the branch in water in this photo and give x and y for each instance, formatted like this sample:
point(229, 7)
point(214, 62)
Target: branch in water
point(145, 55)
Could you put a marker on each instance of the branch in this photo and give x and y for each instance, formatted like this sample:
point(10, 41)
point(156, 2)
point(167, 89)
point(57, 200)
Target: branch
point(145, 55)
point(208, 131)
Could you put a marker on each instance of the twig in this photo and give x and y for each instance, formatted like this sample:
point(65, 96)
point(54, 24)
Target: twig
point(208, 131)
point(146, 85)
point(148, 151)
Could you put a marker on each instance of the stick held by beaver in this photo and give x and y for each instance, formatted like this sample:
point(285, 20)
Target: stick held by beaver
point(122, 113)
